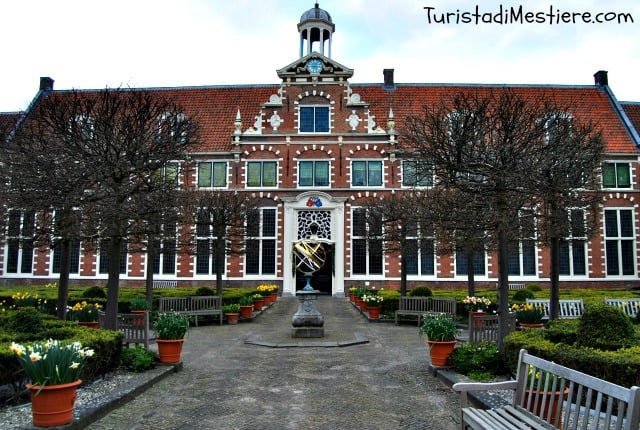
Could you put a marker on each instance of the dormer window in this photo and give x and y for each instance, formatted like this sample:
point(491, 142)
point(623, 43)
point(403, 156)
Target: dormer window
point(314, 119)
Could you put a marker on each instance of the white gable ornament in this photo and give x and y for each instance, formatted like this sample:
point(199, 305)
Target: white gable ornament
point(353, 120)
point(275, 120)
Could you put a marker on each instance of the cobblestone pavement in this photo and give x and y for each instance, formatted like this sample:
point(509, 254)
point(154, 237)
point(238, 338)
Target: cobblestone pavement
point(229, 384)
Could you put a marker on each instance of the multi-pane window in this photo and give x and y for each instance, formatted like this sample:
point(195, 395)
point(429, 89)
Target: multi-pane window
point(522, 253)
point(205, 244)
point(366, 247)
point(212, 174)
point(313, 173)
point(172, 127)
point(164, 262)
point(83, 126)
point(262, 173)
point(103, 267)
point(167, 175)
point(573, 247)
point(417, 173)
point(20, 237)
point(314, 119)
point(419, 255)
point(260, 257)
point(366, 173)
point(620, 242)
point(462, 263)
point(616, 175)
point(74, 264)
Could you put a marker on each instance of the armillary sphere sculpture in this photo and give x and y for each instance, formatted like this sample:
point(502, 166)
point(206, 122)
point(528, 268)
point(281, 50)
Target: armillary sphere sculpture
point(309, 257)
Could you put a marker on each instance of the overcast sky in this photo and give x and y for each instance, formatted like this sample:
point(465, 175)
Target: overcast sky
point(138, 43)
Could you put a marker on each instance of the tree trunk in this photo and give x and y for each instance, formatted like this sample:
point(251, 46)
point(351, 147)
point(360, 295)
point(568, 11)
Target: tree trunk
point(554, 289)
point(403, 263)
point(220, 248)
point(63, 280)
point(113, 284)
point(503, 284)
point(151, 256)
point(471, 275)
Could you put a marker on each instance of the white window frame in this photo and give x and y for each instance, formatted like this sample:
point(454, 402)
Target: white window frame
point(367, 161)
point(570, 239)
point(213, 187)
point(261, 162)
point(356, 237)
point(619, 239)
point(314, 161)
point(616, 163)
point(261, 238)
point(315, 128)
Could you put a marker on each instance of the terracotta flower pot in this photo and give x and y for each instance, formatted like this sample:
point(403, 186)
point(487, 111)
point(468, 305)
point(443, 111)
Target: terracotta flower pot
point(440, 351)
point(52, 405)
point(90, 324)
point(274, 297)
point(232, 318)
point(554, 398)
point(374, 312)
point(532, 325)
point(246, 311)
point(267, 300)
point(258, 304)
point(169, 350)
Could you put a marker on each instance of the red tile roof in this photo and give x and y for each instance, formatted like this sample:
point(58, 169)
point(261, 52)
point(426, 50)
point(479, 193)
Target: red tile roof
point(632, 109)
point(7, 121)
point(215, 107)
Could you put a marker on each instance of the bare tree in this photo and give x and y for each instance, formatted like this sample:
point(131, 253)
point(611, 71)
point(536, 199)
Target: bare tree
point(567, 181)
point(487, 144)
point(221, 220)
point(42, 176)
point(100, 153)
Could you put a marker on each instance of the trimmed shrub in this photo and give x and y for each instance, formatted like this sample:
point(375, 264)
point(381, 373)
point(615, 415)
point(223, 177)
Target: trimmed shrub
point(421, 292)
point(26, 320)
point(478, 358)
point(605, 327)
point(137, 359)
point(534, 287)
point(94, 292)
point(205, 291)
point(521, 296)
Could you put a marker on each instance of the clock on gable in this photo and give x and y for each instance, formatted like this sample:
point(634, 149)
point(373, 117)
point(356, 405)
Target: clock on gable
point(315, 65)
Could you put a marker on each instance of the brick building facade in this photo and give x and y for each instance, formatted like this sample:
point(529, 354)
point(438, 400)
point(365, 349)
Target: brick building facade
point(312, 147)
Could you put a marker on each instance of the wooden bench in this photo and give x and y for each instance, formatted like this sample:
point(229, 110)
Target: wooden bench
point(516, 286)
point(193, 306)
point(136, 327)
point(485, 327)
point(418, 306)
point(589, 402)
point(629, 306)
point(165, 284)
point(569, 308)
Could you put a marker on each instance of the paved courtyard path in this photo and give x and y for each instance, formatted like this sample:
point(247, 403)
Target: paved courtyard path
point(227, 383)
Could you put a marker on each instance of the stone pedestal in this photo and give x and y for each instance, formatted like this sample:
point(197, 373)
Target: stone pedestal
point(307, 322)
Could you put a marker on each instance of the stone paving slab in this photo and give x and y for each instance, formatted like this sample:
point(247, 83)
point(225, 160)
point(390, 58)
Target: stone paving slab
point(227, 383)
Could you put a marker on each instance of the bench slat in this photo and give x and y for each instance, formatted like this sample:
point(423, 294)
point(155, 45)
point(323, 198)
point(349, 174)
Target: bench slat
point(193, 306)
point(590, 402)
point(418, 306)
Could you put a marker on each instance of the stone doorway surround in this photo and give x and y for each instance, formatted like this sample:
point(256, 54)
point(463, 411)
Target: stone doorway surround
point(332, 231)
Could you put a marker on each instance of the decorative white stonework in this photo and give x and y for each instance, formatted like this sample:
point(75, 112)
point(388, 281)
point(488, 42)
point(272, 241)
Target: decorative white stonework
point(353, 120)
point(238, 124)
point(275, 120)
point(372, 127)
point(322, 219)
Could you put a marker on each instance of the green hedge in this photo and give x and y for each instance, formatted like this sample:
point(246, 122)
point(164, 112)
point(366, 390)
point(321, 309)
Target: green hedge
point(621, 367)
point(106, 344)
